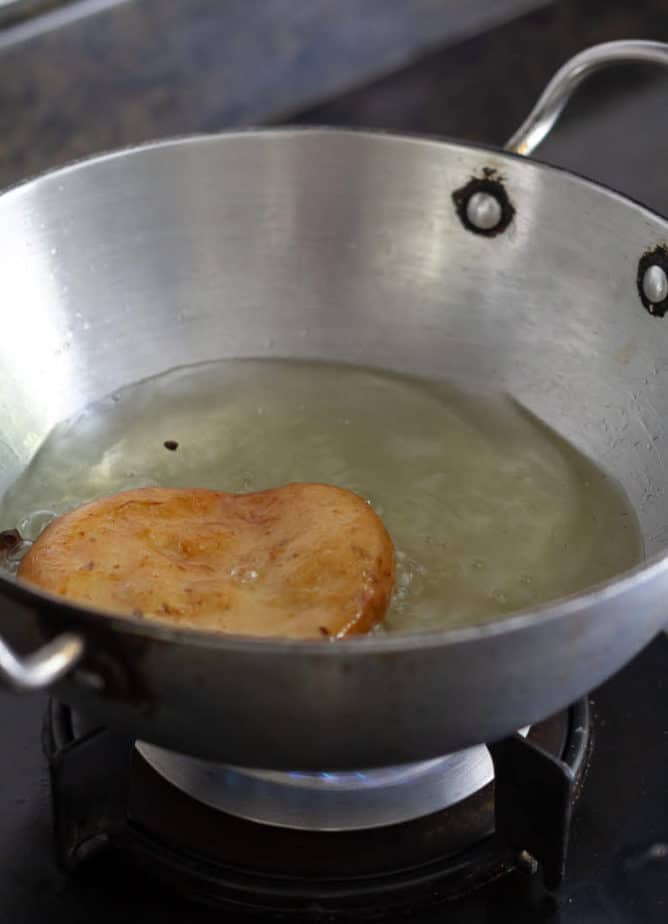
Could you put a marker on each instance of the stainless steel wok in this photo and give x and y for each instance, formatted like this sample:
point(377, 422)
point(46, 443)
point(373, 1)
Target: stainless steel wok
point(418, 255)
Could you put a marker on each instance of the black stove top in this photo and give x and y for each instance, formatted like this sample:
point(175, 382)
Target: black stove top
point(617, 869)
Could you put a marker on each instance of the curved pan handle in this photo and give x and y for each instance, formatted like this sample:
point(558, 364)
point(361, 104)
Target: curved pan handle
point(43, 667)
point(568, 78)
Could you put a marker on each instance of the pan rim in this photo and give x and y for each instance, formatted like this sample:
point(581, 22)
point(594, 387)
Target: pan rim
point(288, 130)
point(357, 646)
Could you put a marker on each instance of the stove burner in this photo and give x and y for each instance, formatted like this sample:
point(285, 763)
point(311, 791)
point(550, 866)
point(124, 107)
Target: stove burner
point(328, 801)
point(107, 794)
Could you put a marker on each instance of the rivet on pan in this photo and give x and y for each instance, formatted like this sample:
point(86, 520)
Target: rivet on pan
point(483, 205)
point(484, 211)
point(652, 280)
point(655, 284)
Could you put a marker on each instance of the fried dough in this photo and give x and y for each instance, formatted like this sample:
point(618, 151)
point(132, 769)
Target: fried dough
point(299, 561)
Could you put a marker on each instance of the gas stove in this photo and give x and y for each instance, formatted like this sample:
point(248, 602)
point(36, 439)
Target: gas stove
point(363, 843)
point(99, 825)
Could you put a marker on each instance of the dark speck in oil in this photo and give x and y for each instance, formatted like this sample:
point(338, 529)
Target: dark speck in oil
point(9, 540)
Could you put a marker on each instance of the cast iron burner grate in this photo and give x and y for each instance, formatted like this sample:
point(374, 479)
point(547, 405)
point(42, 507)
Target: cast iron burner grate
point(107, 796)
